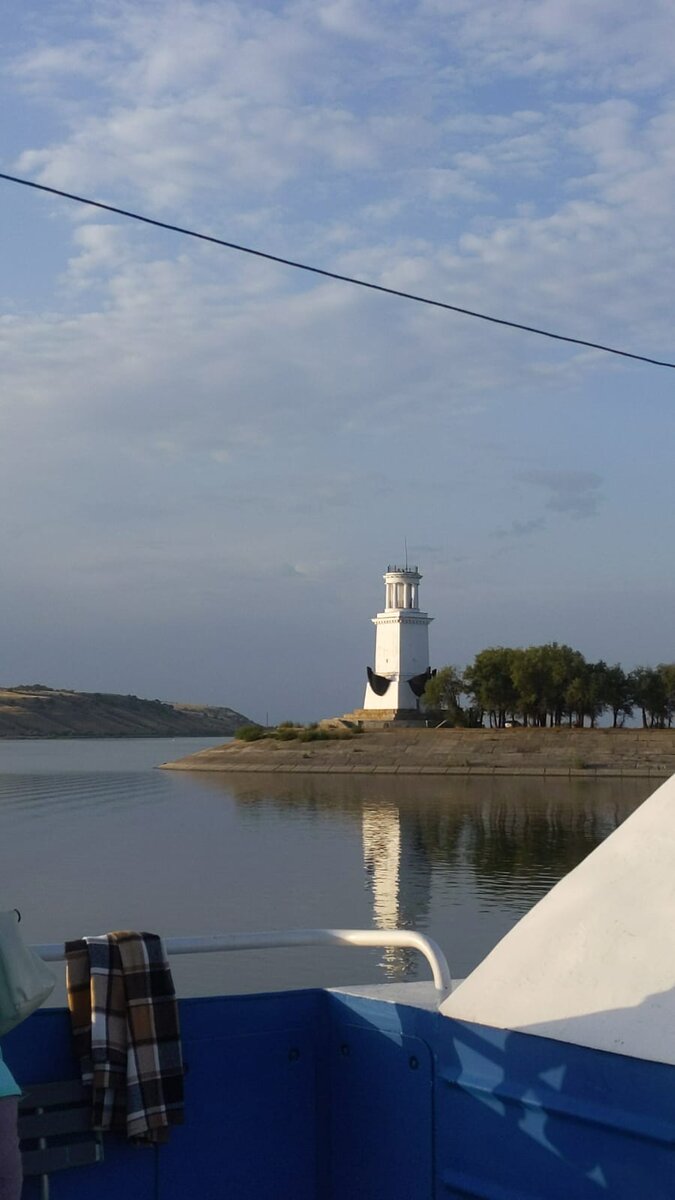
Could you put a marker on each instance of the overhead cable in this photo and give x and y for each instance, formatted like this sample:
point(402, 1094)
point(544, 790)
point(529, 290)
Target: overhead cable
point(364, 283)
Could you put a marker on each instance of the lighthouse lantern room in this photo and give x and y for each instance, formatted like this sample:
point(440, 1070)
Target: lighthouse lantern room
point(401, 647)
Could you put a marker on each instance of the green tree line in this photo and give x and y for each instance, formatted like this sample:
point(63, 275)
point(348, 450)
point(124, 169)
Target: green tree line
point(550, 685)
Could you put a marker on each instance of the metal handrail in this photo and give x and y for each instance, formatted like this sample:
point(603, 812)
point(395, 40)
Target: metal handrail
point(278, 939)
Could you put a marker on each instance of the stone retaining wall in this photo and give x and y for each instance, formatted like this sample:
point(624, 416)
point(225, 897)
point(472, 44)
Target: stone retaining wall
point(556, 752)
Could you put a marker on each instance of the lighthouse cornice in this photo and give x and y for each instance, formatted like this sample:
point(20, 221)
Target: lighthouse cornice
point(405, 617)
point(404, 573)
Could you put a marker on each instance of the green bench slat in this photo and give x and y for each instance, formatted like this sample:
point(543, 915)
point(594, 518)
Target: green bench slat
point(44, 1095)
point(56, 1123)
point(57, 1158)
point(61, 1113)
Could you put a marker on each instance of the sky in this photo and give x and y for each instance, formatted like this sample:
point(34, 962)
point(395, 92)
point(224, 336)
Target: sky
point(208, 460)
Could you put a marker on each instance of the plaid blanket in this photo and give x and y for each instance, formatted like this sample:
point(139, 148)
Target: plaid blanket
point(124, 1018)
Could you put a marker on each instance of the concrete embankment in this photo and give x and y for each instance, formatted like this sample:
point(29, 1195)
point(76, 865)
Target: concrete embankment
point(557, 752)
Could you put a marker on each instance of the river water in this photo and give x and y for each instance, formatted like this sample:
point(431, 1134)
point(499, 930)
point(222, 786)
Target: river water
point(93, 838)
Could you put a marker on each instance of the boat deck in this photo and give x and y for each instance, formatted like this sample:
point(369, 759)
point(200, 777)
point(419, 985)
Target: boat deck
point(339, 1095)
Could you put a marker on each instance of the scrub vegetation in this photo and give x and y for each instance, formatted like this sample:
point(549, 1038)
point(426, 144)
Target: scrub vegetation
point(288, 731)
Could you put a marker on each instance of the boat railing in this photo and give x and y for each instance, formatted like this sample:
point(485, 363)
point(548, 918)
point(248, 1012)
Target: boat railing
point(285, 938)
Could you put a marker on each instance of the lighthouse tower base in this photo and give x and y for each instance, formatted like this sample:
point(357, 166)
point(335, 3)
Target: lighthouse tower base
point(383, 718)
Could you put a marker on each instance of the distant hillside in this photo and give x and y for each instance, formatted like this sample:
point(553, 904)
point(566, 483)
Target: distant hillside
point(32, 710)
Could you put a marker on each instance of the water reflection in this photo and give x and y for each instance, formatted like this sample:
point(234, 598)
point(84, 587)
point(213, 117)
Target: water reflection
point(511, 843)
point(507, 839)
point(398, 875)
point(92, 838)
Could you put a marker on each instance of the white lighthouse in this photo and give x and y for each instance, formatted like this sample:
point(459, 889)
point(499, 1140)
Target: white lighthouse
point(401, 647)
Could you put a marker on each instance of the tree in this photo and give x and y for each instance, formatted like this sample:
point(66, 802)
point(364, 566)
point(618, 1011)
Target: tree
point(442, 695)
point(649, 693)
point(528, 682)
point(546, 684)
point(585, 694)
point(542, 676)
point(490, 683)
point(563, 665)
point(667, 673)
point(617, 693)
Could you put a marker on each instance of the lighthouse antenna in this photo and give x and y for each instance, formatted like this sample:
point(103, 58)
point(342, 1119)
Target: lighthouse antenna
point(405, 543)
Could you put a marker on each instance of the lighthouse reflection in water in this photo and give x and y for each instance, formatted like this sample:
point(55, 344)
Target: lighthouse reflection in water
point(398, 874)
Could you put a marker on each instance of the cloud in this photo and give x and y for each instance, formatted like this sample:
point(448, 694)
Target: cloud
point(197, 90)
point(348, 18)
point(198, 428)
point(286, 120)
point(242, 118)
point(609, 44)
point(520, 529)
point(99, 248)
point(576, 493)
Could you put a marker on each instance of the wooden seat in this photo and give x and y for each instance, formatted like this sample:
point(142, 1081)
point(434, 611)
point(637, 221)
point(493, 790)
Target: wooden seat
point(55, 1128)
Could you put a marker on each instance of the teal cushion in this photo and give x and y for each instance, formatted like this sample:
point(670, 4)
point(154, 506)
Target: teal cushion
point(8, 1084)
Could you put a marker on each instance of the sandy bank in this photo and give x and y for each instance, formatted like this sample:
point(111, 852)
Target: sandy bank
point(559, 752)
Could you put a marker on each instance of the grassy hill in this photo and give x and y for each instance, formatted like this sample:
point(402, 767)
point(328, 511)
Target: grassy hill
point(32, 710)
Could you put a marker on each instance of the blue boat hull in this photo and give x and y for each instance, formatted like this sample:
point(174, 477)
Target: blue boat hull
point(317, 1095)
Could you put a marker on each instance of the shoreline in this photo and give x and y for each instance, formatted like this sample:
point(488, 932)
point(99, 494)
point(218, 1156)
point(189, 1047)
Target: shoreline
point(560, 753)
